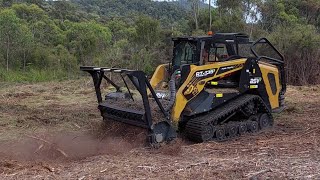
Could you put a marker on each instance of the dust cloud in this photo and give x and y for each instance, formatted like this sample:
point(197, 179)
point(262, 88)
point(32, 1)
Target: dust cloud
point(111, 139)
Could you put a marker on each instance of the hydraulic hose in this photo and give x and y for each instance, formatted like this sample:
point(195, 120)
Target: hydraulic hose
point(172, 89)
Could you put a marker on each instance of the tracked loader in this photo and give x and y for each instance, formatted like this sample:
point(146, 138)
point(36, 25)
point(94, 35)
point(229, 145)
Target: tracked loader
point(216, 87)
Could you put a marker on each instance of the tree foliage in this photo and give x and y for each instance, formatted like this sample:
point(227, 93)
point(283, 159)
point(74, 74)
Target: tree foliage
point(292, 25)
point(87, 40)
point(58, 36)
point(14, 38)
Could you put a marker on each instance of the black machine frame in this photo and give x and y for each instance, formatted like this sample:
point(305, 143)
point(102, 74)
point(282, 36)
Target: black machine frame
point(229, 39)
point(138, 118)
point(277, 62)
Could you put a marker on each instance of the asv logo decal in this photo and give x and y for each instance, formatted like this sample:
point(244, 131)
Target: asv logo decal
point(205, 73)
point(255, 80)
point(161, 95)
point(227, 68)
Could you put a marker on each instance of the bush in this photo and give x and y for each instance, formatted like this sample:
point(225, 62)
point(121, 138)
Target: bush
point(300, 46)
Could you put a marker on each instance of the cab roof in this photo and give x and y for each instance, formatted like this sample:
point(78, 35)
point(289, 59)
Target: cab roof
point(229, 37)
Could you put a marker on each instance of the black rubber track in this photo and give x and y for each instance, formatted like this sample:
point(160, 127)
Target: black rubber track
point(195, 128)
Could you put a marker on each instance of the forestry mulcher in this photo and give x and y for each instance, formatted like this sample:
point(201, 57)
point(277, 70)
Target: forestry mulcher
point(216, 87)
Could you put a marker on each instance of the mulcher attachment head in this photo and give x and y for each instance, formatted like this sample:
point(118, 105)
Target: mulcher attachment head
point(158, 132)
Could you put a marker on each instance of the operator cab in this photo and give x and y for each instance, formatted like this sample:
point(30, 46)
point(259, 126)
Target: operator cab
point(203, 50)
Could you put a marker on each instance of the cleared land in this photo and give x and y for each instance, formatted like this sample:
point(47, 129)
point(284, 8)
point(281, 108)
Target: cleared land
point(54, 131)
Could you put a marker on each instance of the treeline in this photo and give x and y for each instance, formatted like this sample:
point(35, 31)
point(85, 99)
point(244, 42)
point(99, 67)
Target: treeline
point(46, 41)
point(43, 40)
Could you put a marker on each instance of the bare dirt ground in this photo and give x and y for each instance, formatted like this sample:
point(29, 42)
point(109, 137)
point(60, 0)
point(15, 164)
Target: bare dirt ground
point(54, 131)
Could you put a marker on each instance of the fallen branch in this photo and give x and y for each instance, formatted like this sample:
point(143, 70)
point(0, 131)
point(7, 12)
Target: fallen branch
point(198, 164)
point(62, 152)
point(310, 132)
point(255, 174)
point(38, 149)
point(50, 169)
point(76, 125)
point(81, 178)
point(102, 171)
point(146, 167)
point(40, 139)
point(8, 175)
point(51, 144)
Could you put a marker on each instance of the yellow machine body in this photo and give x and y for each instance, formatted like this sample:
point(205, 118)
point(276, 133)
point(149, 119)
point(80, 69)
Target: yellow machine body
point(193, 85)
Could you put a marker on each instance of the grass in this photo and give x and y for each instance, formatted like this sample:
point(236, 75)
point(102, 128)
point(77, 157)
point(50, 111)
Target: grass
point(35, 75)
point(58, 105)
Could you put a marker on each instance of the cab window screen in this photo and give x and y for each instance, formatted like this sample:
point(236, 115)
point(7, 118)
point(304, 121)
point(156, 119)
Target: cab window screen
point(217, 52)
point(184, 53)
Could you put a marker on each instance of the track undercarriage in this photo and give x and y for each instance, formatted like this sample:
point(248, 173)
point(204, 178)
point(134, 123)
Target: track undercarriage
point(247, 113)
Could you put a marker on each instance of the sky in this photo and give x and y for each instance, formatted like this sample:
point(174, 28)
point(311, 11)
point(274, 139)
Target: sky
point(206, 1)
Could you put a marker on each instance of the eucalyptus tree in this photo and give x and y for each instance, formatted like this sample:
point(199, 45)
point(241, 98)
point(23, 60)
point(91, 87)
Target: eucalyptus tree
point(14, 35)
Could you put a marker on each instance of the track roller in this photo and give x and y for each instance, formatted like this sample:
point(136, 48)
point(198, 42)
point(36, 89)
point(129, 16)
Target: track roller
point(264, 121)
point(208, 132)
point(253, 126)
point(242, 128)
point(232, 130)
point(220, 134)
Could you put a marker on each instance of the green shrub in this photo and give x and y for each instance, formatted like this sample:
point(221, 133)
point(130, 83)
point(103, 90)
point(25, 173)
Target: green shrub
point(35, 75)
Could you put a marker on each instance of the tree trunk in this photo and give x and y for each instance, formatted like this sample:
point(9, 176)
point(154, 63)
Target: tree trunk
point(24, 60)
point(195, 10)
point(210, 15)
point(251, 30)
point(196, 21)
point(8, 51)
